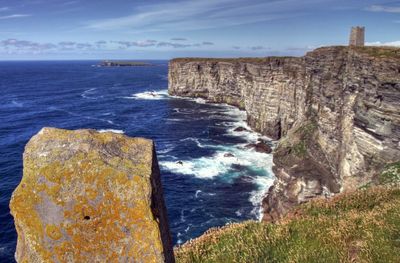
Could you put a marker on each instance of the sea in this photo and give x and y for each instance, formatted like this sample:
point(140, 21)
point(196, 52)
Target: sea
point(210, 178)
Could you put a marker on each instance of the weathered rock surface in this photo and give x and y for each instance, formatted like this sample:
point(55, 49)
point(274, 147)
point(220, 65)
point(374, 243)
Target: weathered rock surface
point(90, 197)
point(336, 111)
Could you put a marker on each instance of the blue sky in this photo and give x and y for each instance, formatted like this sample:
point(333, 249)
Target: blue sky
point(155, 29)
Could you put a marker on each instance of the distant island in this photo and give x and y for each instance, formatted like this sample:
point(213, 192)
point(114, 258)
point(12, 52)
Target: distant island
point(117, 63)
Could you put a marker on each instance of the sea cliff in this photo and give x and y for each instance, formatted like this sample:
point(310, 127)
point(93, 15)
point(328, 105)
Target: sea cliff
point(335, 112)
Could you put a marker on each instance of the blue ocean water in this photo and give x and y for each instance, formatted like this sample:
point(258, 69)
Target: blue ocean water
point(207, 189)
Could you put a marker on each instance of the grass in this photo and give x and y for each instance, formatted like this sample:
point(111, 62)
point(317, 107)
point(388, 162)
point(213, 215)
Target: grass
point(380, 52)
point(363, 226)
point(391, 174)
point(233, 60)
point(300, 149)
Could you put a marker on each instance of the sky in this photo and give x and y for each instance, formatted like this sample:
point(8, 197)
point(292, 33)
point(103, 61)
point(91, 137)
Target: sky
point(159, 29)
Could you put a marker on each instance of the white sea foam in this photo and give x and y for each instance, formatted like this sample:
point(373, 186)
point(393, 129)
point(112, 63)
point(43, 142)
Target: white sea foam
point(166, 150)
point(174, 120)
point(196, 195)
point(150, 95)
point(200, 101)
point(111, 130)
point(263, 184)
point(217, 164)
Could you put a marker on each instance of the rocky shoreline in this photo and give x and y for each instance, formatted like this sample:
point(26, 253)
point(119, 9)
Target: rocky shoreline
point(335, 112)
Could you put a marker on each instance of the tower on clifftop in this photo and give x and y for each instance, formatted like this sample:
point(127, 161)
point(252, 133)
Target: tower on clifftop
point(357, 36)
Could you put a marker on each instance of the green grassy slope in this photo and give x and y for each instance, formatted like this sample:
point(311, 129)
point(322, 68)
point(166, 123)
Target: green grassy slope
point(363, 226)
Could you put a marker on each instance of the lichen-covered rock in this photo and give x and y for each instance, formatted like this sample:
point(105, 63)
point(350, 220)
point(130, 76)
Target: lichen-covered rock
point(336, 111)
point(90, 197)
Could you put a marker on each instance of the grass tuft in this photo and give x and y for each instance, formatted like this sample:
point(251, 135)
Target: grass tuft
point(391, 174)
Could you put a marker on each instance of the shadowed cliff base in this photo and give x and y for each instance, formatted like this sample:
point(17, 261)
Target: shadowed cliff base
point(336, 112)
point(90, 197)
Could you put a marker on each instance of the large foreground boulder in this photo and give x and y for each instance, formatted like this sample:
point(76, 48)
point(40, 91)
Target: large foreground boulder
point(90, 197)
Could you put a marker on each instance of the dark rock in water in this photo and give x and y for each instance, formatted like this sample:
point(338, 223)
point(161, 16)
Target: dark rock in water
point(238, 167)
point(240, 129)
point(260, 147)
point(229, 155)
point(179, 162)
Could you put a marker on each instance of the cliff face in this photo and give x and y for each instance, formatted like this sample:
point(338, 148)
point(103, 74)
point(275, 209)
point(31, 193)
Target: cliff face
point(90, 197)
point(336, 112)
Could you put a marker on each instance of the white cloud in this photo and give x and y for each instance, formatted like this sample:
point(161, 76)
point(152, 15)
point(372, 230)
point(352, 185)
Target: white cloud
point(385, 9)
point(5, 8)
point(26, 46)
point(203, 14)
point(13, 16)
point(389, 44)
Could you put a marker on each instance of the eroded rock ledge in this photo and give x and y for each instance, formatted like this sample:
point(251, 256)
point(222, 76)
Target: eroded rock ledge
point(336, 112)
point(90, 197)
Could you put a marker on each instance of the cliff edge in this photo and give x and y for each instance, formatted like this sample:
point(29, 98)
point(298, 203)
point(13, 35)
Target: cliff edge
point(90, 197)
point(335, 112)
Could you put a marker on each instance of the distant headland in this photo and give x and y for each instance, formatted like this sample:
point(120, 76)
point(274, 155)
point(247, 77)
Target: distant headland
point(122, 63)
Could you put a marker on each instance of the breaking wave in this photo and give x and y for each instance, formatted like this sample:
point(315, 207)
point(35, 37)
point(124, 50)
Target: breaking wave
point(149, 95)
point(111, 130)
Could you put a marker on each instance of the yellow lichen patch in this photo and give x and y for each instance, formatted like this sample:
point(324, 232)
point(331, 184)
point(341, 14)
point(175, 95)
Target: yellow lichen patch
point(53, 232)
point(86, 197)
point(91, 193)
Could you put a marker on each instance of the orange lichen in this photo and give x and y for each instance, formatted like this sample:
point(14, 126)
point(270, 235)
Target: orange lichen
point(53, 232)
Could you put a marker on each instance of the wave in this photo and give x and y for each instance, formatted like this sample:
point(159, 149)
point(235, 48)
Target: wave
point(164, 151)
point(198, 143)
point(111, 130)
point(149, 95)
point(196, 195)
point(163, 77)
point(12, 104)
point(52, 108)
point(263, 184)
point(17, 104)
point(88, 94)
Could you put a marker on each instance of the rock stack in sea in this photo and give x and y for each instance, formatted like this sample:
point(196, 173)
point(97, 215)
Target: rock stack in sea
point(335, 111)
point(90, 197)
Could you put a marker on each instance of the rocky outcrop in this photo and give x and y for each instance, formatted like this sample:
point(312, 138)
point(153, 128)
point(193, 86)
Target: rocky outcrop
point(336, 112)
point(90, 197)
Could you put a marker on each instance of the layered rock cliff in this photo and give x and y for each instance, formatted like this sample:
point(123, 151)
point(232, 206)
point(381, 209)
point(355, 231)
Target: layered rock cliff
point(336, 112)
point(90, 197)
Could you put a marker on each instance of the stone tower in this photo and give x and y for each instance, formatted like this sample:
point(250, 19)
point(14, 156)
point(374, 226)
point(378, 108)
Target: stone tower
point(357, 36)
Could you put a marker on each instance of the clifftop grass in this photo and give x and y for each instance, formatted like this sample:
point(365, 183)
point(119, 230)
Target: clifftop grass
point(373, 51)
point(380, 52)
point(256, 60)
point(360, 227)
